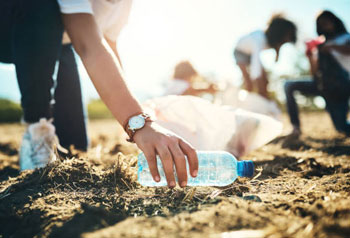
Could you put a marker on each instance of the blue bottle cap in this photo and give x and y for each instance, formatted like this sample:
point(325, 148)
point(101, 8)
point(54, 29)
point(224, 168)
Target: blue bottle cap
point(245, 168)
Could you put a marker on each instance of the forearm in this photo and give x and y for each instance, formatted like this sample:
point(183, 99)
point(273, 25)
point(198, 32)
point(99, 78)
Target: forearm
point(248, 84)
point(105, 73)
point(313, 64)
point(196, 92)
point(113, 46)
point(245, 72)
point(101, 64)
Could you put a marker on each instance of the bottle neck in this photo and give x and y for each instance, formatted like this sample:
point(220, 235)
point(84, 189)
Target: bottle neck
point(245, 168)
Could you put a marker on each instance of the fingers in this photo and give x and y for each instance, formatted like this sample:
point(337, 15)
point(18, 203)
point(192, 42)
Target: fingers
point(192, 158)
point(168, 164)
point(180, 163)
point(152, 164)
point(153, 140)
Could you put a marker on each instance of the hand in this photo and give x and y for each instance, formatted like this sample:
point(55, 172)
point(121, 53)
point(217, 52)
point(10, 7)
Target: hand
point(154, 140)
point(311, 45)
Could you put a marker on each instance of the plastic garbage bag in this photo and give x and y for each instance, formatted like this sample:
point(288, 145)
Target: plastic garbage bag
point(209, 126)
point(239, 98)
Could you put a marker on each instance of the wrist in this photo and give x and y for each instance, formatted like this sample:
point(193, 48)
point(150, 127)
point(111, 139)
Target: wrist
point(136, 123)
point(126, 121)
point(140, 131)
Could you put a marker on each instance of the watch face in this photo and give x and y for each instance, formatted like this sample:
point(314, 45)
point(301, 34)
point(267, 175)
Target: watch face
point(136, 122)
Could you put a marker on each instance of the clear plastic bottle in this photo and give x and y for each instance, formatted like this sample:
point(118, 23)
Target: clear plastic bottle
point(216, 168)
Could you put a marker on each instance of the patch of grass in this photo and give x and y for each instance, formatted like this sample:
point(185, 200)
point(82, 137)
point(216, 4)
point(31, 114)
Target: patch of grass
point(98, 110)
point(9, 111)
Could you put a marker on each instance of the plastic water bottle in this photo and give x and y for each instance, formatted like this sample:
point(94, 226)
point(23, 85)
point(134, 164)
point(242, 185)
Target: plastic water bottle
point(216, 168)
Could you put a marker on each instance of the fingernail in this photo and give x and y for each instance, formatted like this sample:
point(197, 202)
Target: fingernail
point(183, 184)
point(156, 178)
point(195, 173)
point(172, 184)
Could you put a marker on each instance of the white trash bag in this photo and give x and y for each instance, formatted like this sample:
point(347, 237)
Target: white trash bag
point(208, 126)
point(239, 98)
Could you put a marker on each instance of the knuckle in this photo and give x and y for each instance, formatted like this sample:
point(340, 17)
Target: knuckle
point(165, 156)
point(174, 139)
point(162, 140)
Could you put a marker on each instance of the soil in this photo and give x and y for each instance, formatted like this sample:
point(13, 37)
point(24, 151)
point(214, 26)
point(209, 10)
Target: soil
point(301, 188)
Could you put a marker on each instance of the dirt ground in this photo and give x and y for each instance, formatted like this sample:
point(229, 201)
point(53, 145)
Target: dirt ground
point(301, 188)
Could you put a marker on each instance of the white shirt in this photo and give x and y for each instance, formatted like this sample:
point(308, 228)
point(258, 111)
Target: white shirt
point(252, 44)
point(110, 15)
point(343, 60)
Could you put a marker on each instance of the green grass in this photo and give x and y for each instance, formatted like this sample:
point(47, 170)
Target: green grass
point(9, 111)
point(98, 110)
point(12, 112)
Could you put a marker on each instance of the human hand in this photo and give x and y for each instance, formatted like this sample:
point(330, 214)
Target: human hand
point(311, 45)
point(154, 140)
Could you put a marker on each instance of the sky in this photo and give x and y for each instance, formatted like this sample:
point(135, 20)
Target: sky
point(161, 33)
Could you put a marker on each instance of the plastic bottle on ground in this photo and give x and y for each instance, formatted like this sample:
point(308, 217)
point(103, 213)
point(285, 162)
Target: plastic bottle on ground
point(216, 168)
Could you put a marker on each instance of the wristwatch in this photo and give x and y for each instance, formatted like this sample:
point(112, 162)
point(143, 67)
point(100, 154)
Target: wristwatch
point(136, 123)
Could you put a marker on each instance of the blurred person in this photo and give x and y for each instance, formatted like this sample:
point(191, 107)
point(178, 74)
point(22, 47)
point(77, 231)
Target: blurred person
point(32, 39)
point(184, 80)
point(330, 67)
point(248, 49)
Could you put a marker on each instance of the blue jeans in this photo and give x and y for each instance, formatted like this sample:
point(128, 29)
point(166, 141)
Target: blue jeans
point(338, 110)
point(31, 38)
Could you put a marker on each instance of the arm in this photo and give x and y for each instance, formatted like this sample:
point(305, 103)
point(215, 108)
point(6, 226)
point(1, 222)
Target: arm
point(262, 83)
point(113, 45)
point(248, 84)
point(256, 68)
point(277, 49)
point(197, 91)
point(105, 73)
point(313, 63)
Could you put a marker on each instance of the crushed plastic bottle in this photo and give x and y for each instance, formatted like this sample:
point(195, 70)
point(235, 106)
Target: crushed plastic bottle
point(216, 168)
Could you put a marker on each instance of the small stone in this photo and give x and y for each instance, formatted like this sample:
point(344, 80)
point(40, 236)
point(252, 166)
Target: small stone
point(252, 198)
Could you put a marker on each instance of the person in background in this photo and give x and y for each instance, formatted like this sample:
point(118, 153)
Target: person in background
point(330, 68)
point(184, 78)
point(248, 49)
point(70, 121)
point(32, 39)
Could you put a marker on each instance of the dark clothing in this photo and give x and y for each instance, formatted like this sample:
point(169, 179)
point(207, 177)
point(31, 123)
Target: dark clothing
point(31, 38)
point(333, 80)
point(338, 110)
point(306, 87)
point(68, 111)
point(31, 35)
